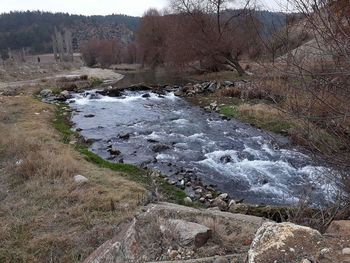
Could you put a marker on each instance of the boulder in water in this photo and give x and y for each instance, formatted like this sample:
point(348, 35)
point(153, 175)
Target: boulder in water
point(160, 147)
point(113, 151)
point(124, 136)
point(110, 91)
point(226, 159)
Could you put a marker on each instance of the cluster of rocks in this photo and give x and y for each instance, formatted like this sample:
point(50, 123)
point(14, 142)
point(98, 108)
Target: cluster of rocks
point(186, 90)
point(79, 83)
point(50, 96)
point(205, 87)
point(197, 191)
point(166, 232)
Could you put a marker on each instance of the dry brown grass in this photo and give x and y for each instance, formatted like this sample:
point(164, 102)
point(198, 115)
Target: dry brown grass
point(231, 92)
point(44, 215)
point(229, 237)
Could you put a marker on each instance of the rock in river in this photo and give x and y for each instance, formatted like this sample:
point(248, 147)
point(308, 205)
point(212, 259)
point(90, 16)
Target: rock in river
point(124, 136)
point(160, 147)
point(114, 151)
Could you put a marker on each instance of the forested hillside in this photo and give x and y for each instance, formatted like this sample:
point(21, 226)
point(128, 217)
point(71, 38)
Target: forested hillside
point(34, 29)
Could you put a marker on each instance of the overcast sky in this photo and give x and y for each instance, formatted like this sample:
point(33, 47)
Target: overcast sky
point(93, 7)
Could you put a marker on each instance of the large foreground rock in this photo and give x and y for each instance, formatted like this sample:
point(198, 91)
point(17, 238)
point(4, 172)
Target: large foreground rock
point(290, 243)
point(164, 232)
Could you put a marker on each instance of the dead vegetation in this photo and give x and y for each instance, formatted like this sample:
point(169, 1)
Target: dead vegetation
point(44, 215)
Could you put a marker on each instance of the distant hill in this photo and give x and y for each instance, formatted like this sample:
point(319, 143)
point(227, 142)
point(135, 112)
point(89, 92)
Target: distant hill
point(272, 21)
point(33, 30)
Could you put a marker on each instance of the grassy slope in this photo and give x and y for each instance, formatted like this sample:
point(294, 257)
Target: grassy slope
point(44, 215)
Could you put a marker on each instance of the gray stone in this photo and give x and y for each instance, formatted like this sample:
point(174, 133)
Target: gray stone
point(79, 179)
point(232, 203)
point(160, 147)
point(209, 196)
point(224, 196)
point(346, 251)
point(124, 136)
point(65, 95)
point(190, 233)
point(220, 203)
point(187, 200)
point(199, 191)
point(273, 239)
point(212, 87)
point(45, 93)
point(228, 83)
point(225, 159)
point(113, 151)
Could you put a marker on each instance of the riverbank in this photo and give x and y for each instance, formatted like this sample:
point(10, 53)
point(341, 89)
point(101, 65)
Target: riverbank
point(60, 201)
point(54, 203)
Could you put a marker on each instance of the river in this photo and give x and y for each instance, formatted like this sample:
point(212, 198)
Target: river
point(167, 134)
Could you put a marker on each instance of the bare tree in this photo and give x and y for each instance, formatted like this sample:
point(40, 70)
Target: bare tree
point(68, 45)
point(220, 31)
point(151, 38)
point(102, 52)
point(62, 45)
point(316, 80)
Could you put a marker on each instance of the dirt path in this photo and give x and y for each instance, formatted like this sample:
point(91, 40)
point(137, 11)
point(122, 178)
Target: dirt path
point(106, 75)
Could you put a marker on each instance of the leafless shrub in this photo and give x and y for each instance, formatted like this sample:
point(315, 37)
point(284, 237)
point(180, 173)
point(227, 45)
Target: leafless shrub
point(313, 77)
point(103, 52)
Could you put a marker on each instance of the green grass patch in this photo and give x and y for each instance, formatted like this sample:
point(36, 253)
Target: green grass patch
point(132, 172)
point(96, 81)
point(273, 125)
point(172, 193)
point(56, 90)
point(230, 111)
point(62, 123)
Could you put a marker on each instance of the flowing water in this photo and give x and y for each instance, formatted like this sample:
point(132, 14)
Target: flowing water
point(168, 134)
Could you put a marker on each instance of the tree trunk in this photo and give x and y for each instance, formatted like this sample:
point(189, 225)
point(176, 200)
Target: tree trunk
point(54, 47)
point(232, 62)
point(241, 72)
